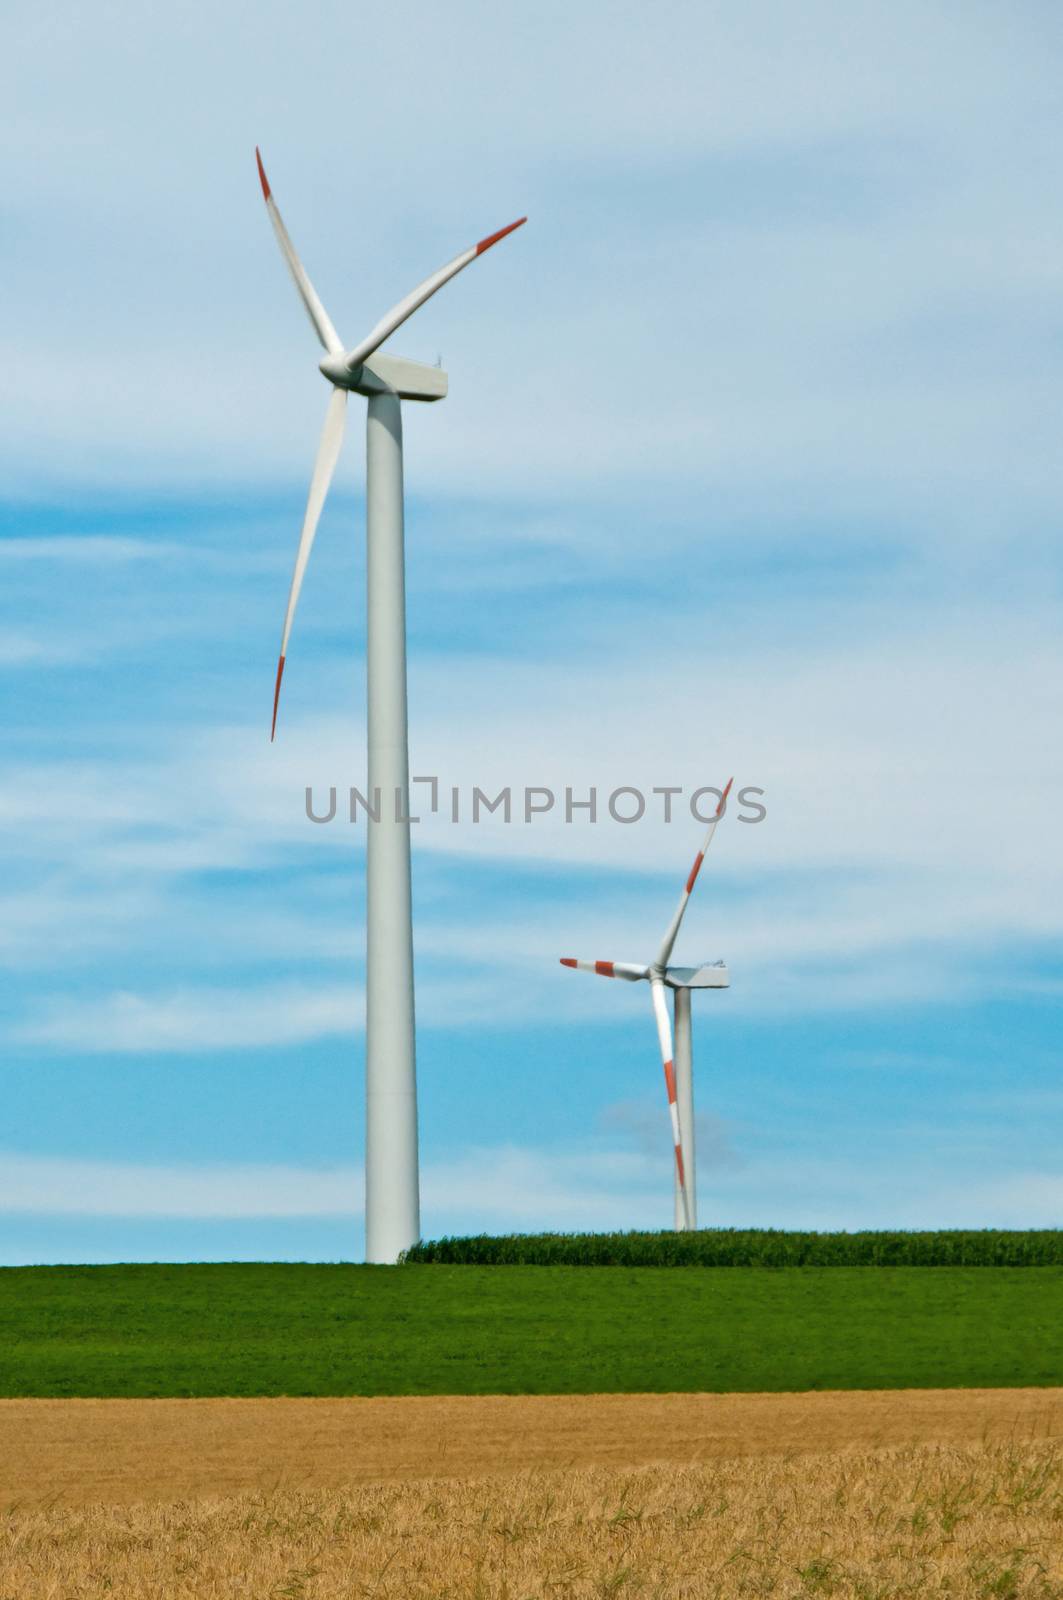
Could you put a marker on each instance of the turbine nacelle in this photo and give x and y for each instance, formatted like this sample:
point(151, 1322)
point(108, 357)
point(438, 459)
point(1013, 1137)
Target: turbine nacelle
point(713, 975)
point(410, 380)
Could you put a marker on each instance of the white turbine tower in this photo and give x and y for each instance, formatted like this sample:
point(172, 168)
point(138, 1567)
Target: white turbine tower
point(678, 1063)
point(392, 1204)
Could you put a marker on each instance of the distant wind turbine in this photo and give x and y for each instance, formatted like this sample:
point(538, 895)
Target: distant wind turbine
point(392, 1205)
point(678, 1063)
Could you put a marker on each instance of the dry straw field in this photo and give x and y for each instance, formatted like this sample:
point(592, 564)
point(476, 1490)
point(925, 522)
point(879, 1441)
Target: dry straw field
point(983, 1520)
point(866, 1495)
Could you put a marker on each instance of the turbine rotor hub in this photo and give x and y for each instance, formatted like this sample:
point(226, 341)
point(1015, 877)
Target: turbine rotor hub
point(336, 370)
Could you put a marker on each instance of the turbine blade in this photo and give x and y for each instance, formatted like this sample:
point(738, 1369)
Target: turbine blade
point(664, 1035)
point(424, 291)
point(630, 970)
point(314, 309)
point(327, 452)
point(668, 942)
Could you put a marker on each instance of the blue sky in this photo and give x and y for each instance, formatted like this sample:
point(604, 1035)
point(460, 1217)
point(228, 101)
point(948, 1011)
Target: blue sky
point(748, 465)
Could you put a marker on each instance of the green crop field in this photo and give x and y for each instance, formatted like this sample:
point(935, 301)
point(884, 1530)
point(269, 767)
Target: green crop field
point(332, 1330)
point(751, 1247)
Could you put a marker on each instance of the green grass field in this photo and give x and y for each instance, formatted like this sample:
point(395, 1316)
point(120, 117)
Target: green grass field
point(333, 1330)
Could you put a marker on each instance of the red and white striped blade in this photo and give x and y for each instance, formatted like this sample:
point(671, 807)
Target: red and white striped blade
point(307, 293)
point(327, 453)
point(668, 942)
point(630, 970)
point(424, 291)
point(664, 1035)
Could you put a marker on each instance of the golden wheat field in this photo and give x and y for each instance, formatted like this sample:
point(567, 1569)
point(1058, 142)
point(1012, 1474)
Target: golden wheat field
point(954, 1493)
point(983, 1520)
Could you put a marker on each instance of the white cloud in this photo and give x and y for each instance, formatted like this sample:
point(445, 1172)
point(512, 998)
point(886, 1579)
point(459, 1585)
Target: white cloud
point(786, 305)
point(215, 1017)
point(909, 846)
point(88, 549)
point(30, 650)
point(191, 1019)
point(520, 1188)
point(70, 920)
point(742, 268)
point(517, 1186)
point(835, 306)
point(641, 1122)
point(49, 1186)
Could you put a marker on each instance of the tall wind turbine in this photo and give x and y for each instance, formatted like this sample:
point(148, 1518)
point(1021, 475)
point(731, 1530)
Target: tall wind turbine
point(392, 1203)
point(678, 1063)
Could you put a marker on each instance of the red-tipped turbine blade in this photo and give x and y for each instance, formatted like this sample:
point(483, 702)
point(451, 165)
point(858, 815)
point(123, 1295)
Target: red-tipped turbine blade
point(664, 1038)
point(668, 942)
point(631, 970)
point(319, 317)
point(493, 238)
point(424, 291)
point(276, 699)
point(327, 453)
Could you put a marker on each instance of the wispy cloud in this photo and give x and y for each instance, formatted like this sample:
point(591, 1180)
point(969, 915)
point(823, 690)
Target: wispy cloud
point(513, 1187)
point(822, 322)
point(870, 880)
point(89, 549)
point(30, 650)
point(763, 482)
point(640, 1122)
point(516, 1186)
point(198, 1019)
point(234, 1018)
point(35, 1184)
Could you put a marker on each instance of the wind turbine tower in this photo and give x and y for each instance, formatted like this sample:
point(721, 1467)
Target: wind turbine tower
point(677, 1060)
point(392, 1201)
